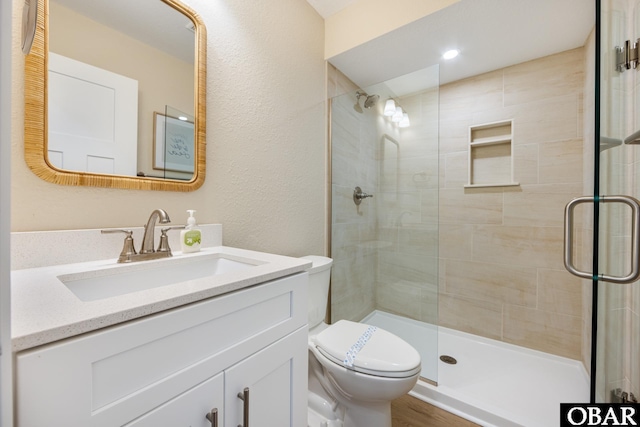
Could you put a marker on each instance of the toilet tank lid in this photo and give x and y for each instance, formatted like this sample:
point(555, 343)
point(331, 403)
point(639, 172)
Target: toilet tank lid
point(320, 263)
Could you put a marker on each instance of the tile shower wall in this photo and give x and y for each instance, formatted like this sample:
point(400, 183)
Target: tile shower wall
point(353, 149)
point(500, 262)
point(501, 268)
point(407, 279)
point(385, 250)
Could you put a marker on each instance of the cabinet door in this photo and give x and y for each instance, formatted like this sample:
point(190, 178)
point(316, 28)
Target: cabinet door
point(189, 409)
point(276, 380)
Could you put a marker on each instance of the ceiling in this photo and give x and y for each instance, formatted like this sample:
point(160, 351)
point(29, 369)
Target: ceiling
point(490, 34)
point(326, 8)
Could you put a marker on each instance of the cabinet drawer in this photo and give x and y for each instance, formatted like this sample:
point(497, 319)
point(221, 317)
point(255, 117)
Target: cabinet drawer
point(113, 376)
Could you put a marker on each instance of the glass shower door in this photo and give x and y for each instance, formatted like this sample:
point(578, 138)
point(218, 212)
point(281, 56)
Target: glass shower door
point(385, 247)
point(616, 331)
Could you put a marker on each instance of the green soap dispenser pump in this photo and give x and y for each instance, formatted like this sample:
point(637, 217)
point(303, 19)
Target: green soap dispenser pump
point(190, 237)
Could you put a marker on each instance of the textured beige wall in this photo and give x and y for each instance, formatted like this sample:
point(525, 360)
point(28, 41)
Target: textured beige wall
point(265, 138)
point(501, 248)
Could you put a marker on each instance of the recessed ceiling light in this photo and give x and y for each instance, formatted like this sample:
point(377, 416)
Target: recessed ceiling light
point(450, 54)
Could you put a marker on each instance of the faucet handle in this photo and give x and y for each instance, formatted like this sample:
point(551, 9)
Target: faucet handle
point(128, 249)
point(164, 239)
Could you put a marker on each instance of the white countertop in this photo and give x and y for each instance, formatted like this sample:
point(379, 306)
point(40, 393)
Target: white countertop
point(44, 310)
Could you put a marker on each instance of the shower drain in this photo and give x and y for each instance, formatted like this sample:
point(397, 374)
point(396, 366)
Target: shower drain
point(448, 359)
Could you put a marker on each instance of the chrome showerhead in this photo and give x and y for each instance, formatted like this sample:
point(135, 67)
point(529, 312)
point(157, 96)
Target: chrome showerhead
point(371, 101)
point(357, 106)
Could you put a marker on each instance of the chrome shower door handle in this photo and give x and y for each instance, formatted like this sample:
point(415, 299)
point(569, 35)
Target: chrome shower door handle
point(635, 238)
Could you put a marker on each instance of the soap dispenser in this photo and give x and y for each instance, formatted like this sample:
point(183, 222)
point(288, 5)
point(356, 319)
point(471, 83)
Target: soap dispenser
point(190, 237)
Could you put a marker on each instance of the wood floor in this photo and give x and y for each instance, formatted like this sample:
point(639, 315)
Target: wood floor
point(408, 411)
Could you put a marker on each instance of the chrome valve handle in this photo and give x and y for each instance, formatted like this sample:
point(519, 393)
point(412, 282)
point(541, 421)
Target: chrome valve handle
point(358, 195)
point(128, 249)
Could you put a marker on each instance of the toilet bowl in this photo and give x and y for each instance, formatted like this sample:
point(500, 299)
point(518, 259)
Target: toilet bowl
point(355, 370)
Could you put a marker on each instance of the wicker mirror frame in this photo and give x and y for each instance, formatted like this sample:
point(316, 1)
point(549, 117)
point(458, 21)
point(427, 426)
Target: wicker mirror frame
point(35, 116)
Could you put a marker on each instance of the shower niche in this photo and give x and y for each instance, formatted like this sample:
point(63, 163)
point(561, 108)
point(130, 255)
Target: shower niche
point(491, 155)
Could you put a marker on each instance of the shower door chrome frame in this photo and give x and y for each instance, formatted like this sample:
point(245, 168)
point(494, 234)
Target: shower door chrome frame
point(610, 111)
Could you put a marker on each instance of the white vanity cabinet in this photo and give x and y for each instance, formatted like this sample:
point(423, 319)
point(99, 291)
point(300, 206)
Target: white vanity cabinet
point(172, 368)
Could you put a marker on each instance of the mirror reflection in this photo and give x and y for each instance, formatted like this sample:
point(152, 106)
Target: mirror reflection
point(121, 81)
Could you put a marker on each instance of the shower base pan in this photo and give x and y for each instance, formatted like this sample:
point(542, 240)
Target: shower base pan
point(493, 383)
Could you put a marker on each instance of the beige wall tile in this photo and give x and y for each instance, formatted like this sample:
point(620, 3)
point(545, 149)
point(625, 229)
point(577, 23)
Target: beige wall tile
point(492, 282)
point(560, 292)
point(544, 78)
point(524, 246)
point(476, 317)
point(560, 162)
point(456, 170)
point(543, 121)
point(525, 164)
point(573, 189)
point(468, 95)
point(344, 241)
point(420, 240)
point(470, 207)
point(393, 266)
point(399, 297)
point(453, 144)
point(535, 209)
point(429, 206)
point(542, 330)
point(418, 173)
point(429, 305)
point(353, 287)
point(456, 241)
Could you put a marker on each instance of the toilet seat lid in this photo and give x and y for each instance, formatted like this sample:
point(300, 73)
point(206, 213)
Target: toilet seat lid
point(368, 350)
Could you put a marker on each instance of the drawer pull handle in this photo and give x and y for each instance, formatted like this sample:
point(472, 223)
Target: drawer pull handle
point(213, 417)
point(244, 396)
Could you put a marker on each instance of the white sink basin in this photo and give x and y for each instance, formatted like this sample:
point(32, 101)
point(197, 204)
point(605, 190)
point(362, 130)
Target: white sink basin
point(123, 279)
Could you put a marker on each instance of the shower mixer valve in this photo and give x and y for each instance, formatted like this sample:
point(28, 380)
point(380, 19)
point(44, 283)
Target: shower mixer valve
point(358, 195)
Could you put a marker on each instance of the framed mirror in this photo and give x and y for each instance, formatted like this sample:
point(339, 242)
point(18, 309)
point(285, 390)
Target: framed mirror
point(115, 95)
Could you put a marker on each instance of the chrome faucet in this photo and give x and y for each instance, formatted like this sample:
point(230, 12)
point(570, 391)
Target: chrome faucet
point(147, 250)
point(149, 230)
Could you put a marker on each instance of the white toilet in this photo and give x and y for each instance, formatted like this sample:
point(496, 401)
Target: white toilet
point(355, 370)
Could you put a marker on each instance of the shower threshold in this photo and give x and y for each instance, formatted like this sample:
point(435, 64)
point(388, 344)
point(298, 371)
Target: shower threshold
point(493, 383)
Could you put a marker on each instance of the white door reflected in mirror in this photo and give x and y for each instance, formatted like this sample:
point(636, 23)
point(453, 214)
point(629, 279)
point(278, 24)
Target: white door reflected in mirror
point(92, 118)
